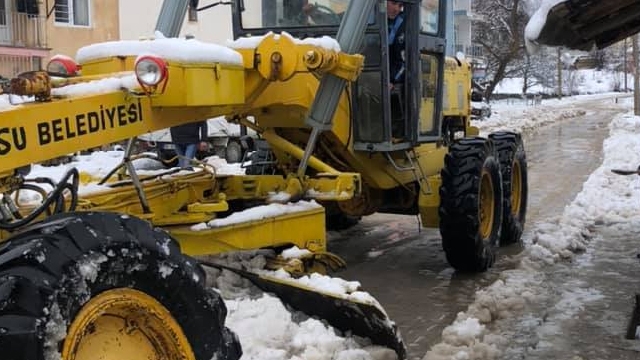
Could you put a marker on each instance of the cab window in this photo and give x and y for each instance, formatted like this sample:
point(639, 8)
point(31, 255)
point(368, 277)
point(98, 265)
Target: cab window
point(429, 16)
point(292, 13)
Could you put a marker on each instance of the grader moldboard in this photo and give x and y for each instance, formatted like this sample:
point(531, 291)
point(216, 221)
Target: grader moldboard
point(332, 134)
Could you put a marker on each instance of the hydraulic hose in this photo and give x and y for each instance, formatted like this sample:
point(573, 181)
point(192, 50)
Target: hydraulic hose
point(55, 196)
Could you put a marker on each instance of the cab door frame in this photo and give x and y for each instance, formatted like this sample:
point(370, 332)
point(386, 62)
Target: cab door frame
point(421, 125)
point(431, 50)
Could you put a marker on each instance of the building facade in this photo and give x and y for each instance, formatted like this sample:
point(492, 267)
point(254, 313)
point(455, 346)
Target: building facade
point(138, 20)
point(463, 23)
point(23, 40)
point(463, 19)
point(72, 24)
point(31, 31)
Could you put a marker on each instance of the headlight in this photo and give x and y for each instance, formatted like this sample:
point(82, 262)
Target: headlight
point(63, 66)
point(150, 70)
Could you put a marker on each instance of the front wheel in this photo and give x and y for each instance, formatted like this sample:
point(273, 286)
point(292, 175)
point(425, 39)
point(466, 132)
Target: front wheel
point(336, 219)
point(106, 286)
point(471, 204)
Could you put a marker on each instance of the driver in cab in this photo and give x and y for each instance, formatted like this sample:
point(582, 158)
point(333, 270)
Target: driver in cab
point(319, 14)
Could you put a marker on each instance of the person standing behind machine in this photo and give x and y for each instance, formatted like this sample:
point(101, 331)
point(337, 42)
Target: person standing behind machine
point(395, 23)
point(187, 138)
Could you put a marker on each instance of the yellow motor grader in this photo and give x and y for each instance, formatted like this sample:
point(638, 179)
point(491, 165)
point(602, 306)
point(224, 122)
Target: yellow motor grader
point(108, 273)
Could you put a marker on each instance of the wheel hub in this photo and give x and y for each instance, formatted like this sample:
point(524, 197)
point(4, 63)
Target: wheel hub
point(516, 188)
point(487, 205)
point(125, 324)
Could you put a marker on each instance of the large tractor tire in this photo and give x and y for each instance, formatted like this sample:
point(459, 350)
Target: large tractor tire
point(106, 286)
point(233, 152)
point(336, 219)
point(513, 164)
point(168, 158)
point(471, 204)
point(220, 151)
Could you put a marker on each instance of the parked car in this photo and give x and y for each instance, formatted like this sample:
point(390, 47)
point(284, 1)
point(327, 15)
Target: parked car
point(227, 141)
point(480, 107)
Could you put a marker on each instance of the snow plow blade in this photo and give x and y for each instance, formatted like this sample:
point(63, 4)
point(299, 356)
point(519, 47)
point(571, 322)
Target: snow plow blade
point(348, 315)
point(584, 24)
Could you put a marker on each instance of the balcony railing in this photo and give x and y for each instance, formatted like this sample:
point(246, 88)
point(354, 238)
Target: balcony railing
point(472, 51)
point(12, 65)
point(22, 30)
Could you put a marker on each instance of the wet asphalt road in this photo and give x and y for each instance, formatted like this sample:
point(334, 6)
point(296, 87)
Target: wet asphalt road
point(606, 277)
point(404, 267)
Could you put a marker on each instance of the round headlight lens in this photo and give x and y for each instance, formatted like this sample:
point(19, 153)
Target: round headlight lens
point(62, 65)
point(150, 71)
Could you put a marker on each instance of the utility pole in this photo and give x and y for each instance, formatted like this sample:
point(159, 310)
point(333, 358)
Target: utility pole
point(559, 73)
point(624, 56)
point(636, 79)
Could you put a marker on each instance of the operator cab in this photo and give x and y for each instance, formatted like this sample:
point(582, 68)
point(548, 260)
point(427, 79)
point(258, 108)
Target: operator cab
point(384, 118)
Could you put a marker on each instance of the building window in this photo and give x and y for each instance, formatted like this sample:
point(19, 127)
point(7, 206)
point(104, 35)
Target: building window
point(29, 7)
point(72, 12)
point(3, 13)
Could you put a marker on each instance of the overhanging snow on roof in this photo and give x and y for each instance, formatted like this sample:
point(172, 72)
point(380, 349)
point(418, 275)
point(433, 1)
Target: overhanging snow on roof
point(583, 24)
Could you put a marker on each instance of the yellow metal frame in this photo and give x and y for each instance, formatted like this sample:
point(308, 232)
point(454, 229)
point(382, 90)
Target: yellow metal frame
point(487, 205)
point(305, 229)
point(177, 202)
point(202, 85)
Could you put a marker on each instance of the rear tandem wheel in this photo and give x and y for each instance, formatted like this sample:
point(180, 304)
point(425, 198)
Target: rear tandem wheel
point(513, 164)
point(470, 204)
point(101, 285)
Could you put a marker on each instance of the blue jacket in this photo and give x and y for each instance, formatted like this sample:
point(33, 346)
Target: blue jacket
point(396, 48)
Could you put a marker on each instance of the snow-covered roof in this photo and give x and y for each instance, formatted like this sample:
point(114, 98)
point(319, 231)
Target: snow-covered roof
point(582, 24)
